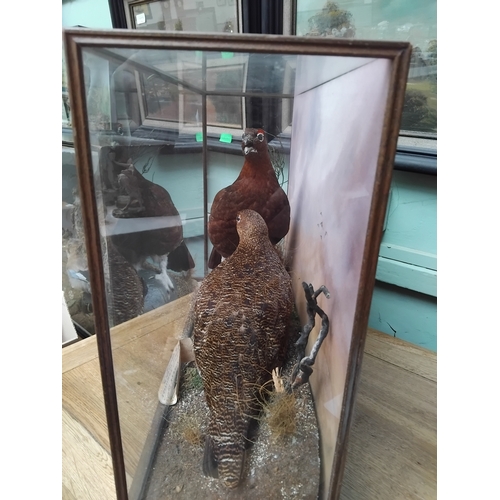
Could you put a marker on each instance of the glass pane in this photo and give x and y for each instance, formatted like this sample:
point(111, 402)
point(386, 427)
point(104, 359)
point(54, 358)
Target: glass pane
point(186, 15)
point(67, 132)
point(170, 130)
point(404, 20)
point(75, 273)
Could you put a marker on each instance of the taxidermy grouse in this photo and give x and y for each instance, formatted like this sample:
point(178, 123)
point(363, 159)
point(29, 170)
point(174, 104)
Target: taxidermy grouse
point(165, 245)
point(256, 188)
point(241, 317)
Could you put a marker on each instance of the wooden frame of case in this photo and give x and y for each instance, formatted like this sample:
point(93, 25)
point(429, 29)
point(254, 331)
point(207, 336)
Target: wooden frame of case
point(397, 52)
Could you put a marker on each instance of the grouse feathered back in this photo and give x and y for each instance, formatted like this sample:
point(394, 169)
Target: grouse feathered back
point(241, 318)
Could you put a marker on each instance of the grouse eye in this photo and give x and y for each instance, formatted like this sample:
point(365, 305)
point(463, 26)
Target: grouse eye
point(238, 218)
point(260, 137)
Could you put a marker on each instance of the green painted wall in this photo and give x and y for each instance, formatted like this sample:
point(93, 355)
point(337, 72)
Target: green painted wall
point(88, 13)
point(404, 314)
point(405, 296)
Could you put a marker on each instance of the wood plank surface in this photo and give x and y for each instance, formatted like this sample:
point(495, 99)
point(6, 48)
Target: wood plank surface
point(392, 445)
point(402, 354)
point(141, 350)
point(87, 467)
point(172, 313)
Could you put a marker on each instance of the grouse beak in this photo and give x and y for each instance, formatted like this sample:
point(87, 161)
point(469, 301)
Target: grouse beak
point(248, 145)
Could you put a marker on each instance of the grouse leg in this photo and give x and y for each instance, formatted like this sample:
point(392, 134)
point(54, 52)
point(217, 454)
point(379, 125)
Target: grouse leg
point(303, 369)
point(163, 276)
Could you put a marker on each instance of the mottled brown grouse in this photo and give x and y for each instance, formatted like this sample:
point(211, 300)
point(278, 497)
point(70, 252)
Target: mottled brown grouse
point(256, 188)
point(241, 317)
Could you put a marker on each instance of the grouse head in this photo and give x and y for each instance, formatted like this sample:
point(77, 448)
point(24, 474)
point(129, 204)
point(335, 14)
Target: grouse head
point(251, 226)
point(253, 141)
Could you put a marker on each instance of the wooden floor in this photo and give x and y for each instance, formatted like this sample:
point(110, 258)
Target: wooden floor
point(392, 444)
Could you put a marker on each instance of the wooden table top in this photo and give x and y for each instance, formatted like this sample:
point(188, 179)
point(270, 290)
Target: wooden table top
point(392, 444)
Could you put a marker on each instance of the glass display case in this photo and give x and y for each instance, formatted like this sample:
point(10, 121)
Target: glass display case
point(164, 123)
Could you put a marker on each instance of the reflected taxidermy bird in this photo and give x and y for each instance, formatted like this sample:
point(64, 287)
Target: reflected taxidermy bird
point(126, 290)
point(256, 188)
point(241, 316)
point(165, 245)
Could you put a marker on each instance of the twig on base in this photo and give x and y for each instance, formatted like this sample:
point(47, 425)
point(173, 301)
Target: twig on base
point(303, 369)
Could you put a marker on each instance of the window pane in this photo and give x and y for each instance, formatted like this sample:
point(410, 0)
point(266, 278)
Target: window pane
point(185, 15)
point(404, 20)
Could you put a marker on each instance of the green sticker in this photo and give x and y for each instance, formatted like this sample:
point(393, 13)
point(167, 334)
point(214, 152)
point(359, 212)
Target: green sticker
point(226, 138)
point(198, 53)
point(227, 55)
point(199, 136)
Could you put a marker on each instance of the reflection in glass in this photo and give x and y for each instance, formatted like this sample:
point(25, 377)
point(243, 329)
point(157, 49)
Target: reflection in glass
point(162, 98)
point(75, 274)
point(405, 20)
point(222, 76)
point(184, 15)
point(67, 132)
point(164, 91)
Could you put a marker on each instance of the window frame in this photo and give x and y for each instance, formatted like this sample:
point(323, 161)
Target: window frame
point(279, 17)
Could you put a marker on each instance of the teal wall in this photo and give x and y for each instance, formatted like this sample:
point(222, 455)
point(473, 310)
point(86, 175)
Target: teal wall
point(88, 13)
point(404, 301)
point(404, 314)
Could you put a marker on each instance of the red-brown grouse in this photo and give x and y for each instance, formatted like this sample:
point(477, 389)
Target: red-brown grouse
point(241, 317)
point(256, 188)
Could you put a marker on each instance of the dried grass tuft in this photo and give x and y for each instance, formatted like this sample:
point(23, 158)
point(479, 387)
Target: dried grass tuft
point(279, 409)
point(189, 429)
